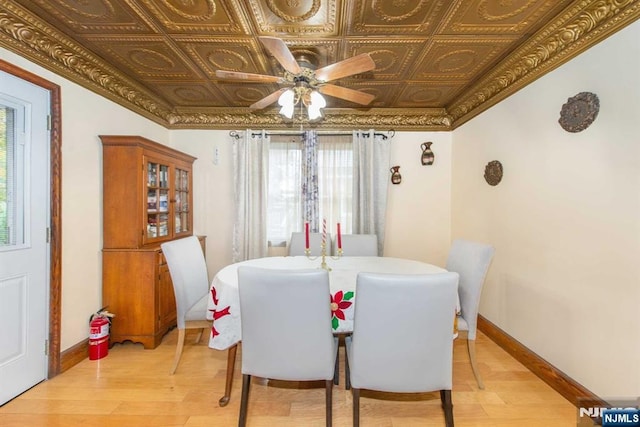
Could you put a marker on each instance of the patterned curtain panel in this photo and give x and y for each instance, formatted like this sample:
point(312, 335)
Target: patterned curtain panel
point(370, 183)
point(310, 198)
point(251, 169)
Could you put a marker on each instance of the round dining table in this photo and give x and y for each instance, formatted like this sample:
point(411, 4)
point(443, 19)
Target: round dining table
point(224, 304)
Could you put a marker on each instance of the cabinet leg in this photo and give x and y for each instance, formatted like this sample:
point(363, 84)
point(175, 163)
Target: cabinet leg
point(231, 363)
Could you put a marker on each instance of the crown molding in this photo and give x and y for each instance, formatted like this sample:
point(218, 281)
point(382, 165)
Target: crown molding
point(334, 118)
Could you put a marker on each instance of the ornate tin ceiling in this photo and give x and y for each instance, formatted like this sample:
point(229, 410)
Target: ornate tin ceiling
point(438, 63)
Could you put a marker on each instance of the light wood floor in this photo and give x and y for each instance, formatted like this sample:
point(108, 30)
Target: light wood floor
point(131, 387)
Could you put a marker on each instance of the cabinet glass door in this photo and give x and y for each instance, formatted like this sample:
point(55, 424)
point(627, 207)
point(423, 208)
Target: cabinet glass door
point(181, 213)
point(157, 200)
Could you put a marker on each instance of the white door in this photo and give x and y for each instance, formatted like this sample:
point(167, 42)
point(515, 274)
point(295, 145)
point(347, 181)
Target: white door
point(24, 247)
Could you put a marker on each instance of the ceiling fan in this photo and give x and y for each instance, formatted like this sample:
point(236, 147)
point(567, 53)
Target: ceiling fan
point(302, 82)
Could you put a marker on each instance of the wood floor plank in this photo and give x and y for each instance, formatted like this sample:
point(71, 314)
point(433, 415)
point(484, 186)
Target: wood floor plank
point(132, 387)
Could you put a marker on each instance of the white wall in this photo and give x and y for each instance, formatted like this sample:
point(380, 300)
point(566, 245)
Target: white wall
point(565, 220)
point(85, 115)
point(419, 209)
point(213, 213)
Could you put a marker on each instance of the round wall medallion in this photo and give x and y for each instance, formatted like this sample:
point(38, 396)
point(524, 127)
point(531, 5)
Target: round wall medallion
point(579, 112)
point(493, 172)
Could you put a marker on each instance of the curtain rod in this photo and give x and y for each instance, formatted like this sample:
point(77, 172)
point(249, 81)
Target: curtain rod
point(390, 133)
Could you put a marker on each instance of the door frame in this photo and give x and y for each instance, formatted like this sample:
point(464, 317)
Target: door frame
point(55, 238)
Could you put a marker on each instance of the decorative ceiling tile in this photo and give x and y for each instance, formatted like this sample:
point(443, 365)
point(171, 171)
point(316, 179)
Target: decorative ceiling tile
point(430, 95)
point(438, 63)
point(381, 91)
point(190, 94)
point(500, 17)
point(459, 58)
point(239, 95)
point(295, 17)
point(147, 58)
point(398, 17)
point(392, 57)
point(237, 54)
point(85, 17)
point(196, 16)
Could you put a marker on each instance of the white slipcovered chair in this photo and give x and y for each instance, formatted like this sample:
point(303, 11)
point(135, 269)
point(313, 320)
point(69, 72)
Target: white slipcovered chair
point(358, 245)
point(471, 261)
point(188, 271)
point(297, 243)
point(410, 351)
point(286, 329)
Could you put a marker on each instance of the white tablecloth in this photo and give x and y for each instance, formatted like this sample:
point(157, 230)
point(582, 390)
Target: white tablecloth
point(224, 306)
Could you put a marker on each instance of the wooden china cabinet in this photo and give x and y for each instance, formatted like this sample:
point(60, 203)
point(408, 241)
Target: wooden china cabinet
point(147, 200)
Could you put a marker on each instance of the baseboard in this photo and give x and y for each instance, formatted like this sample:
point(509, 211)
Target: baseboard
point(558, 380)
point(74, 355)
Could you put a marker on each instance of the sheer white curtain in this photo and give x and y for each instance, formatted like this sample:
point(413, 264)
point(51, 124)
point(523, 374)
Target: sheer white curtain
point(335, 181)
point(251, 169)
point(285, 179)
point(370, 183)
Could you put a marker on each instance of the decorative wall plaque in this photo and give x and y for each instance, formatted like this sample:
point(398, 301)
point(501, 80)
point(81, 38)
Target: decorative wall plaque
point(493, 172)
point(427, 157)
point(579, 112)
point(396, 178)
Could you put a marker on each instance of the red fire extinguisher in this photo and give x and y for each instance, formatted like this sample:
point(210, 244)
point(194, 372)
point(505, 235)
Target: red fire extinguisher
point(99, 334)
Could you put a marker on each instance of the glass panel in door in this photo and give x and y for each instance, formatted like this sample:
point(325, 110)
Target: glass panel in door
point(11, 206)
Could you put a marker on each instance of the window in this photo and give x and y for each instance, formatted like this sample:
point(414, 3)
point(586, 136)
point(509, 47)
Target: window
point(274, 197)
point(11, 207)
point(284, 206)
point(334, 177)
point(335, 182)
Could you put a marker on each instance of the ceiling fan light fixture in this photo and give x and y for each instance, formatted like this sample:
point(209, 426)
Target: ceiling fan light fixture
point(316, 104)
point(286, 101)
point(303, 95)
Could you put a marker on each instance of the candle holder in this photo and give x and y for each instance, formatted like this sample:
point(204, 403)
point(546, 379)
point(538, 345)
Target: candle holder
point(323, 255)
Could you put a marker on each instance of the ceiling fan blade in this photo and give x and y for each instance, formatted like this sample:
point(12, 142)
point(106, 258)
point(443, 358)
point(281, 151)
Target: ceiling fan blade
point(350, 66)
point(267, 100)
point(281, 52)
point(344, 93)
point(258, 78)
